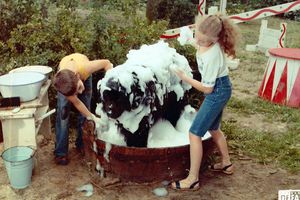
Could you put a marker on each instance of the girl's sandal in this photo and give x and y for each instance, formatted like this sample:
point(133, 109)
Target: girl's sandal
point(194, 186)
point(225, 169)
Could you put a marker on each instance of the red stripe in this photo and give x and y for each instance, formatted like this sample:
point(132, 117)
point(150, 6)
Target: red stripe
point(280, 39)
point(280, 94)
point(199, 7)
point(294, 100)
point(169, 36)
point(267, 94)
point(264, 10)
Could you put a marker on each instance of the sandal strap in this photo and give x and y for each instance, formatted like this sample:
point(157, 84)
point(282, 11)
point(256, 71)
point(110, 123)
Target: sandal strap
point(177, 185)
point(194, 184)
point(226, 167)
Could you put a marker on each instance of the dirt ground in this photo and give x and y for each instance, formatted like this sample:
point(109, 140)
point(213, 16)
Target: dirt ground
point(49, 181)
point(251, 180)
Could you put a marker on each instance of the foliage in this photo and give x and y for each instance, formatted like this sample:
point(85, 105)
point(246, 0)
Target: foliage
point(48, 40)
point(70, 4)
point(15, 12)
point(128, 7)
point(12, 14)
point(178, 12)
point(65, 31)
point(114, 41)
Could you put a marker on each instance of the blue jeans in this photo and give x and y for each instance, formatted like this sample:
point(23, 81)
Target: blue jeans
point(210, 112)
point(62, 120)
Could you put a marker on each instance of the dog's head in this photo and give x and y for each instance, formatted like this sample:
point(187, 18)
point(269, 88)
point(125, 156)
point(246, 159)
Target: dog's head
point(126, 92)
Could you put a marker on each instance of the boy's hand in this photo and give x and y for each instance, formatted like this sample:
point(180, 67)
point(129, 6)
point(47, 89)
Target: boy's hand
point(97, 120)
point(99, 123)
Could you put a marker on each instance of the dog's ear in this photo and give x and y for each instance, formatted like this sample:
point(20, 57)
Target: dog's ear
point(115, 100)
point(114, 84)
point(150, 92)
point(136, 92)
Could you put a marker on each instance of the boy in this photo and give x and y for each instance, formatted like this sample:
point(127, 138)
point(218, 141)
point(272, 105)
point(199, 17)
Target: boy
point(73, 82)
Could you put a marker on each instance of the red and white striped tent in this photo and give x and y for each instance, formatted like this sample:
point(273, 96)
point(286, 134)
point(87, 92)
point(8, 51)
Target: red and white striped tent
point(281, 82)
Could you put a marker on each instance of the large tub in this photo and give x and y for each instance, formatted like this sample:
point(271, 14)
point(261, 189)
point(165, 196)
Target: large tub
point(143, 164)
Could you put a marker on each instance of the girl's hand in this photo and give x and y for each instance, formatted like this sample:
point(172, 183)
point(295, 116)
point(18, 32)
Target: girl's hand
point(109, 66)
point(181, 74)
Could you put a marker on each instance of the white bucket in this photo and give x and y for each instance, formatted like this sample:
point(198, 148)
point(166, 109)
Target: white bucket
point(19, 164)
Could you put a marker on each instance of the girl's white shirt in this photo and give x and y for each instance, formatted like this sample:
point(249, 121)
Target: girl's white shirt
point(212, 65)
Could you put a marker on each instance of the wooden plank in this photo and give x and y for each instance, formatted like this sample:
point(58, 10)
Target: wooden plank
point(243, 17)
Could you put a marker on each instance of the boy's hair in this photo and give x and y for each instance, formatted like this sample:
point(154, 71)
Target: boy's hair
point(65, 81)
point(219, 28)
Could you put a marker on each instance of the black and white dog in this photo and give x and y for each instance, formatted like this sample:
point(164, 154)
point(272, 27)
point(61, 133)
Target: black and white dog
point(134, 95)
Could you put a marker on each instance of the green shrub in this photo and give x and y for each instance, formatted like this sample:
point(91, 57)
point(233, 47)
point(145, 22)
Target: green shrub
point(178, 12)
point(49, 40)
point(15, 12)
point(71, 4)
point(117, 41)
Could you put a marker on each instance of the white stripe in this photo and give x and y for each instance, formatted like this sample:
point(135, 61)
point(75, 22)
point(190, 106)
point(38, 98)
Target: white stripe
point(278, 73)
point(293, 69)
point(271, 62)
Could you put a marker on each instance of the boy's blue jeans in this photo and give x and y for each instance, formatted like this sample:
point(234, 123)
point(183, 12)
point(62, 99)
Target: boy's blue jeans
point(62, 120)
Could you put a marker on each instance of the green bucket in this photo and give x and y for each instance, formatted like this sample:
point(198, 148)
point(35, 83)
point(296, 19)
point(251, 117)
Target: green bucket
point(19, 164)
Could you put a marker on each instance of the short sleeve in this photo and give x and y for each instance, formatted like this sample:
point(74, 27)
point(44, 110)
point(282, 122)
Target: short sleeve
point(211, 67)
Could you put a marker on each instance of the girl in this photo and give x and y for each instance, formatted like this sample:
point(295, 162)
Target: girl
point(214, 36)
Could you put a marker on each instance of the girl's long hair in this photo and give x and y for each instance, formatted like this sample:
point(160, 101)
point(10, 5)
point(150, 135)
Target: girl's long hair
point(219, 28)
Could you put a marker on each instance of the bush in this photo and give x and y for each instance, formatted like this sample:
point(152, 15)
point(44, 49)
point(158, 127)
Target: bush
point(177, 12)
point(49, 40)
point(115, 41)
point(16, 12)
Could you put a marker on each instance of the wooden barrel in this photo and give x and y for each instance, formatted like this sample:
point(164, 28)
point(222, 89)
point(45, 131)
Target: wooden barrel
point(141, 165)
point(1, 133)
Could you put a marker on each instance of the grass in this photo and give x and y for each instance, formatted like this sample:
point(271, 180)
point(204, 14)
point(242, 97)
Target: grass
point(271, 111)
point(281, 148)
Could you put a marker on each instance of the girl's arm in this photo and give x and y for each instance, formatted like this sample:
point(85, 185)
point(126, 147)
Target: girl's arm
point(196, 84)
point(96, 65)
